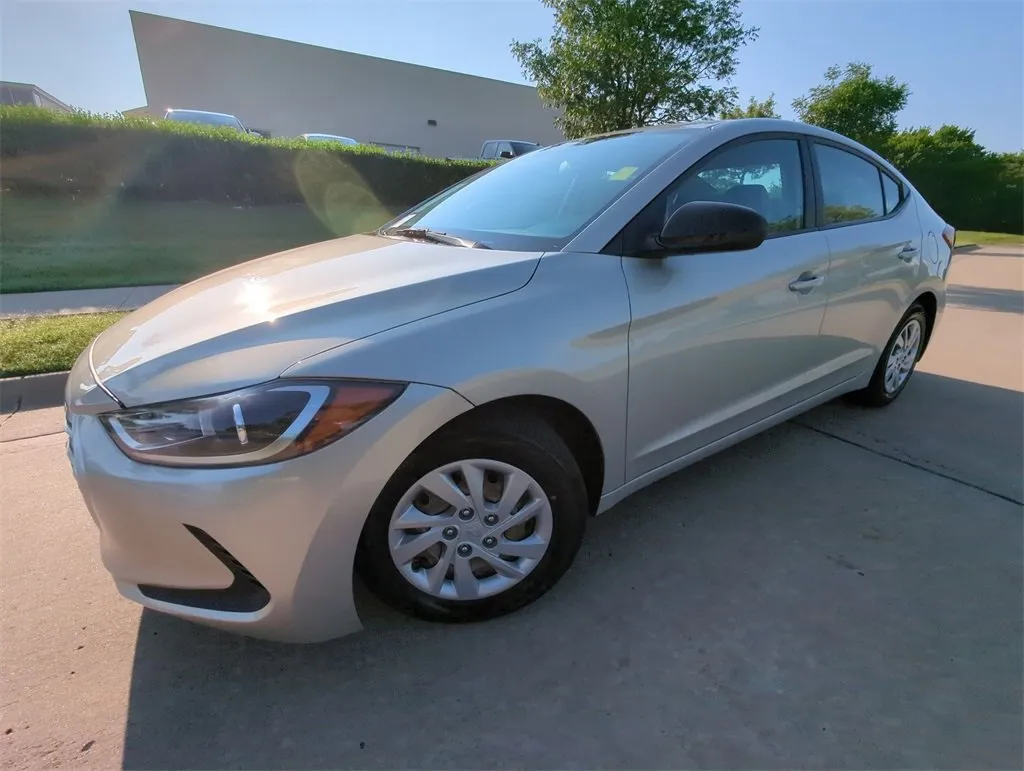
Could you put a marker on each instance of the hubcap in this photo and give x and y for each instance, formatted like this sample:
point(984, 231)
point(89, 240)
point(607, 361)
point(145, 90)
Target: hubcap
point(902, 356)
point(470, 529)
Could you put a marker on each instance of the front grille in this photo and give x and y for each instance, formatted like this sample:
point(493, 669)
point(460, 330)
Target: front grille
point(245, 595)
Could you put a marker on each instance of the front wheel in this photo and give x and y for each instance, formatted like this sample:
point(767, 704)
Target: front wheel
point(477, 523)
point(897, 362)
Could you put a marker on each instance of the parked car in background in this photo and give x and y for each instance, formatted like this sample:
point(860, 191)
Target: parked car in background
point(330, 138)
point(204, 118)
point(443, 404)
point(494, 149)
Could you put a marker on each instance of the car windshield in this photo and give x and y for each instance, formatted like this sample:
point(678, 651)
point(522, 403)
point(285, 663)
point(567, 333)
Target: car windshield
point(541, 200)
point(206, 118)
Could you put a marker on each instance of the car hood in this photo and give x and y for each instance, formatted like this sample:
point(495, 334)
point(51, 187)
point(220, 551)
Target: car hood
point(249, 323)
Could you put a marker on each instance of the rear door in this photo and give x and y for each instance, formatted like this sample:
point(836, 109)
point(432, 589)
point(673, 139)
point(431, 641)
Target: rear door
point(875, 238)
point(720, 341)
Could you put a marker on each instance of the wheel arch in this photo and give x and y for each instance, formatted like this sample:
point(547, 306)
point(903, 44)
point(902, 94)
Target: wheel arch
point(930, 303)
point(568, 421)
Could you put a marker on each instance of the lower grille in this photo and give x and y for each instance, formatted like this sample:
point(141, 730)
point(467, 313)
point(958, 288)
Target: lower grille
point(245, 595)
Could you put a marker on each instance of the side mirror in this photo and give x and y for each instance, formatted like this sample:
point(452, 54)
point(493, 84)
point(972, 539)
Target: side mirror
point(507, 154)
point(712, 226)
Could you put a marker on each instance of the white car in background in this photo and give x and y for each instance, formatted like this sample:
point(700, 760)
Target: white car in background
point(330, 138)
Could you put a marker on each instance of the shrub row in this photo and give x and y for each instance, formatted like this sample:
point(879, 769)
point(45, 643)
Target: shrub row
point(971, 187)
point(78, 154)
point(978, 194)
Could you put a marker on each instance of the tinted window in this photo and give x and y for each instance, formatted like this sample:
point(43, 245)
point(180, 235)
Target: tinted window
point(851, 187)
point(542, 199)
point(488, 151)
point(522, 148)
point(505, 147)
point(893, 193)
point(765, 175)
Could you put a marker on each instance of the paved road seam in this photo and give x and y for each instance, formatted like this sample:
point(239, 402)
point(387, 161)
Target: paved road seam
point(911, 463)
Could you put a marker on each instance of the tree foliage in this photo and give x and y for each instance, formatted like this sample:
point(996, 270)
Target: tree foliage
point(618, 64)
point(754, 109)
point(855, 103)
point(971, 187)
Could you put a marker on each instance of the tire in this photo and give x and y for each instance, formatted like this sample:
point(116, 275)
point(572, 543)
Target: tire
point(878, 393)
point(522, 442)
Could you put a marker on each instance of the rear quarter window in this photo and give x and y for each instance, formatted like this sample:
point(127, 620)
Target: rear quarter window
point(892, 192)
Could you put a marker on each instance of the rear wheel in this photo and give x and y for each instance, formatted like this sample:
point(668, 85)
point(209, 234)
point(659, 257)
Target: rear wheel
point(897, 362)
point(477, 523)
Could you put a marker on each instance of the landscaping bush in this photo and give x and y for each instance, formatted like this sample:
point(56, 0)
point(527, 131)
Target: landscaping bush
point(972, 188)
point(74, 155)
point(83, 155)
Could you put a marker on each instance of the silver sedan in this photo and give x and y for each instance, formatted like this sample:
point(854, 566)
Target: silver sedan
point(440, 406)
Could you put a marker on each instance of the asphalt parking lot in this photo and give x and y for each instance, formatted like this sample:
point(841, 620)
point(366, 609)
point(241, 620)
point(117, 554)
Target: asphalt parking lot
point(844, 591)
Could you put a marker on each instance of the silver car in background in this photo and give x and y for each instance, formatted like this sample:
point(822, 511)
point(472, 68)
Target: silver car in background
point(441, 405)
point(205, 118)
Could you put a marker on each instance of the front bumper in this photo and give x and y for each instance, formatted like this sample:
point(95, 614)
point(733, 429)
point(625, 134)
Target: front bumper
point(266, 551)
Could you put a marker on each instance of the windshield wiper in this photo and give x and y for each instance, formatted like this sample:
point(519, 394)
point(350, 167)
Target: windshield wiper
point(435, 236)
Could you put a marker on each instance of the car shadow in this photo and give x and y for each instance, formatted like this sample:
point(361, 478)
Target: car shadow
point(777, 605)
point(986, 298)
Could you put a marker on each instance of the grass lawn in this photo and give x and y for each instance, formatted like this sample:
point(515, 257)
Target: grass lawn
point(979, 238)
point(57, 244)
point(39, 344)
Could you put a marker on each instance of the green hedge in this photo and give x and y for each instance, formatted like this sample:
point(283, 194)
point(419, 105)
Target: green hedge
point(971, 187)
point(982, 194)
point(84, 155)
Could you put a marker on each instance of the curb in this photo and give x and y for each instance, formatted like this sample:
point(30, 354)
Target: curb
point(32, 392)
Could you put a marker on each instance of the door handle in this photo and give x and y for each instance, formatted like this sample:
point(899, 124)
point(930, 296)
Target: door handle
point(908, 253)
point(806, 283)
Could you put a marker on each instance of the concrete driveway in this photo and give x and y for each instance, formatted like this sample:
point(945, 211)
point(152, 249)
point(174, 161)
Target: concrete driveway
point(844, 591)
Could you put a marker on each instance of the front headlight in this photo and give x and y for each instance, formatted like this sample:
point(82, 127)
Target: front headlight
point(263, 424)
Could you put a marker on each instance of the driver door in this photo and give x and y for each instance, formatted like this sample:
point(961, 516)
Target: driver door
point(721, 341)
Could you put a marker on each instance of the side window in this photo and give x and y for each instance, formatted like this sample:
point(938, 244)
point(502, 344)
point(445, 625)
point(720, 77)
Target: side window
point(851, 186)
point(488, 151)
point(522, 148)
point(504, 147)
point(893, 191)
point(765, 175)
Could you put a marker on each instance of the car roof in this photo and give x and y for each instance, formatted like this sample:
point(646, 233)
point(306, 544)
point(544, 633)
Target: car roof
point(741, 126)
point(733, 128)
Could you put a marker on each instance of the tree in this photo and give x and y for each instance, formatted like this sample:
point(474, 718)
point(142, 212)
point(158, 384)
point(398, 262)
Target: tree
point(855, 103)
point(619, 64)
point(754, 109)
point(971, 187)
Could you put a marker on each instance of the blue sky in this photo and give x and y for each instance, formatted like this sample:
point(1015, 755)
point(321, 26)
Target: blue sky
point(962, 58)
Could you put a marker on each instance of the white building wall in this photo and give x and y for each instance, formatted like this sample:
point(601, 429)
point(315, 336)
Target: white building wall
point(292, 88)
